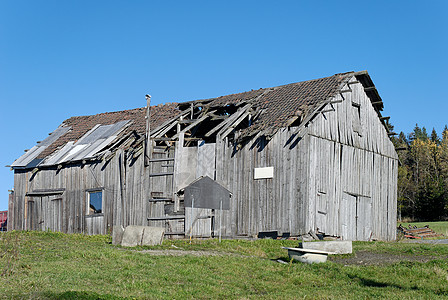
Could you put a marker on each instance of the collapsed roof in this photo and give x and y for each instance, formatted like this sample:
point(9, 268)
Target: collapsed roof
point(248, 114)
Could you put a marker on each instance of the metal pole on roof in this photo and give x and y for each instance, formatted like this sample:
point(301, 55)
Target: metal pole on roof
point(148, 131)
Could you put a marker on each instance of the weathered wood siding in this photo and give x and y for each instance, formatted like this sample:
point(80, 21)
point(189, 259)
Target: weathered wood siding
point(353, 170)
point(339, 177)
point(264, 204)
point(124, 183)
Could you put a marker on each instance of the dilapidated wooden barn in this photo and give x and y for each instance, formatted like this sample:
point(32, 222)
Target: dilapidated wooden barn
point(307, 156)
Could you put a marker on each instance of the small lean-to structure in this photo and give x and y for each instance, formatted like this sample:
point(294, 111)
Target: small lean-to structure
point(308, 156)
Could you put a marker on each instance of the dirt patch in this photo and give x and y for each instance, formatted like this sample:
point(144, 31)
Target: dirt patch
point(365, 258)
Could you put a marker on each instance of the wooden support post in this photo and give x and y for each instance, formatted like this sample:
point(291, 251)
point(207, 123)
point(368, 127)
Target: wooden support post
point(191, 218)
point(220, 220)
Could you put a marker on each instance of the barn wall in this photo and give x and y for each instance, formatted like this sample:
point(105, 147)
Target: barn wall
point(123, 182)
point(339, 178)
point(353, 171)
point(340, 166)
point(273, 204)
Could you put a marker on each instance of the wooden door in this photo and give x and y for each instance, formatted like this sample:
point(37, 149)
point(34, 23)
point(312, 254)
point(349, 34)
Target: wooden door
point(347, 217)
point(363, 218)
point(321, 211)
point(44, 213)
point(33, 217)
point(54, 217)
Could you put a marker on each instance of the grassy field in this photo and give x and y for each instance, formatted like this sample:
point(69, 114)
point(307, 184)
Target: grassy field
point(439, 227)
point(42, 265)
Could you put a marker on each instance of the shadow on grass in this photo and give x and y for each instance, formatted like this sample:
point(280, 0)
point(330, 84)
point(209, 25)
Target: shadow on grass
point(373, 283)
point(282, 259)
point(80, 295)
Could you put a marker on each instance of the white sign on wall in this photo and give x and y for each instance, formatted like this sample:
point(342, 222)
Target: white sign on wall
point(263, 173)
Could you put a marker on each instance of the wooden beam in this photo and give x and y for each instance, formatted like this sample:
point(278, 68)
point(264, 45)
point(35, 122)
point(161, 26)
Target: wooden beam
point(46, 192)
point(163, 139)
point(391, 133)
point(377, 103)
point(161, 174)
point(160, 199)
point(167, 128)
point(201, 119)
point(161, 159)
point(166, 218)
point(228, 120)
point(187, 121)
point(229, 127)
point(384, 118)
point(370, 88)
point(216, 117)
point(161, 130)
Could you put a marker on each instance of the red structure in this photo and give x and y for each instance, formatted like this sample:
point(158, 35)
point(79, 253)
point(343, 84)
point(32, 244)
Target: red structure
point(3, 220)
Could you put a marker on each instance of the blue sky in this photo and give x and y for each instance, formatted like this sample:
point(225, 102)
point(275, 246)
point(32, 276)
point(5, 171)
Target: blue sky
point(67, 58)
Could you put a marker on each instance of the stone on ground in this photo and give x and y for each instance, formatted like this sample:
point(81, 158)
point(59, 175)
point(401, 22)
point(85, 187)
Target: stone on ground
point(142, 236)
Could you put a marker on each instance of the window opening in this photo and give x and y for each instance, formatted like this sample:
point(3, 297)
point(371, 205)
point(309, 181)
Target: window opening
point(95, 202)
point(356, 117)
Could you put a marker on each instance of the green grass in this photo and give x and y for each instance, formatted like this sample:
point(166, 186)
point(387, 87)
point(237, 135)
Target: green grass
point(439, 227)
point(59, 266)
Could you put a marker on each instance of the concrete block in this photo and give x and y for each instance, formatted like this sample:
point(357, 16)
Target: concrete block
point(132, 236)
point(338, 247)
point(142, 236)
point(117, 235)
point(153, 236)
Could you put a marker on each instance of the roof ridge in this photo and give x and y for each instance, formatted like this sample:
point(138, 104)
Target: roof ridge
point(123, 111)
point(272, 87)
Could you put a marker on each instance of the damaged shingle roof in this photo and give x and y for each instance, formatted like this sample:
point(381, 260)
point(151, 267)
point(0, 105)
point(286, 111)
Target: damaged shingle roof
point(280, 104)
point(276, 107)
point(81, 125)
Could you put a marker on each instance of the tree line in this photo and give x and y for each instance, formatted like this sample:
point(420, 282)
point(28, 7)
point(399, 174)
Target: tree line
point(422, 174)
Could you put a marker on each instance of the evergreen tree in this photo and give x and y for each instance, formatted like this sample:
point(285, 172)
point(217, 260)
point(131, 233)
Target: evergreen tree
point(423, 174)
point(434, 137)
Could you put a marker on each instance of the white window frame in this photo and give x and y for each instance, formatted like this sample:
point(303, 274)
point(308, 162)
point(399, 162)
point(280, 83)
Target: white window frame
point(92, 191)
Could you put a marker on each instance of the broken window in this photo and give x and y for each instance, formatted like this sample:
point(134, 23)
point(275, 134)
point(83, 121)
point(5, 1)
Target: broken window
point(356, 118)
point(95, 202)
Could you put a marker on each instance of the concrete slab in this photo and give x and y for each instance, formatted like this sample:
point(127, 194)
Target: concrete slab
point(117, 235)
point(132, 236)
point(153, 236)
point(338, 247)
point(142, 236)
